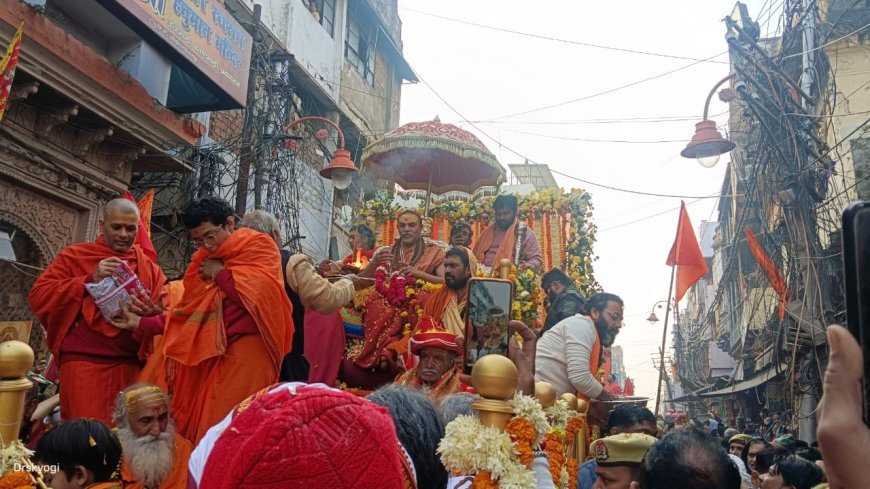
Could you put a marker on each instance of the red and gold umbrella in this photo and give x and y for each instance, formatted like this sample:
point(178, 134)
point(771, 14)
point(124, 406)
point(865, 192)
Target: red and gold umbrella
point(433, 156)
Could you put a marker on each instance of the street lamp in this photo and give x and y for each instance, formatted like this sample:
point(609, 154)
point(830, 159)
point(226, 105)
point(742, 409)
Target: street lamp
point(707, 145)
point(341, 169)
point(653, 319)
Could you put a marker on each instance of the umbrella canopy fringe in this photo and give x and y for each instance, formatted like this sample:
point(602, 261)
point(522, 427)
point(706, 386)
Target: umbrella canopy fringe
point(460, 149)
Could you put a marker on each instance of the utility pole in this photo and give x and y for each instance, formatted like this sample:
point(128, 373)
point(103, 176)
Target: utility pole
point(248, 129)
point(811, 309)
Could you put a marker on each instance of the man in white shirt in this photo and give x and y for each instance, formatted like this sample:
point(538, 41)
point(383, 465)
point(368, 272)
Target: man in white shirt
point(569, 355)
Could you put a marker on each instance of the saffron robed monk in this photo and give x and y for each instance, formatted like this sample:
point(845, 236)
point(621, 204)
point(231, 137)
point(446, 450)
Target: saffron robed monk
point(233, 326)
point(96, 359)
point(508, 238)
point(414, 257)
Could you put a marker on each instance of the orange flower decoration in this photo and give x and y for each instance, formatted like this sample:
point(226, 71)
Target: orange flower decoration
point(16, 480)
point(575, 423)
point(572, 466)
point(483, 480)
point(522, 431)
point(555, 449)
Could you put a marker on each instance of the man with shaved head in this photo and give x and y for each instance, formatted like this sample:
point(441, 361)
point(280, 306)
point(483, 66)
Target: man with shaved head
point(97, 360)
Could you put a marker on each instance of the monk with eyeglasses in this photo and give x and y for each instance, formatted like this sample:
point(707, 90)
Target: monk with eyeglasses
point(226, 338)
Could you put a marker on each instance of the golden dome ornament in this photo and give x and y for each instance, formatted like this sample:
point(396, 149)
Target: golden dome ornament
point(16, 358)
point(571, 400)
point(545, 393)
point(495, 378)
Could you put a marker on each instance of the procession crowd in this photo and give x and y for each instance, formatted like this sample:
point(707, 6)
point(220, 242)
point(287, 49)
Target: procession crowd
point(229, 376)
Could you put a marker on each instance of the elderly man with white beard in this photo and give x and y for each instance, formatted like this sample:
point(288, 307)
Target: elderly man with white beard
point(155, 456)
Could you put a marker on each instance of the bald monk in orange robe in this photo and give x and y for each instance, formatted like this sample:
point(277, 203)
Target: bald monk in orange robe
point(154, 455)
point(96, 359)
point(227, 337)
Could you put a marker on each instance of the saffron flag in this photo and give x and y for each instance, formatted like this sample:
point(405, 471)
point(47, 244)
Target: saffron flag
point(142, 238)
point(7, 69)
point(628, 389)
point(686, 255)
point(769, 268)
point(145, 205)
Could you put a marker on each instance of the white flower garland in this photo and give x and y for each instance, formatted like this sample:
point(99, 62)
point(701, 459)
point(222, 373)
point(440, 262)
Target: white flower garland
point(558, 414)
point(468, 447)
point(12, 455)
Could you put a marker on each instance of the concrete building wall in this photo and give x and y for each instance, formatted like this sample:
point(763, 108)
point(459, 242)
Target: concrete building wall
point(374, 108)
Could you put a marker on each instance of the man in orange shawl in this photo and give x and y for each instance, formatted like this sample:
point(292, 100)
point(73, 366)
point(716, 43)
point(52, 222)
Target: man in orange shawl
point(436, 374)
point(499, 240)
point(448, 303)
point(154, 455)
point(96, 359)
point(226, 339)
point(413, 255)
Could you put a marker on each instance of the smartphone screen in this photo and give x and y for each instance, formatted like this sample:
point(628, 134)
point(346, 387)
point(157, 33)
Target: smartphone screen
point(856, 265)
point(489, 309)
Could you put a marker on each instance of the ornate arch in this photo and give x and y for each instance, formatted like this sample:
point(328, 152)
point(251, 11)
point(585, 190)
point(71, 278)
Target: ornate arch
point(42, 244)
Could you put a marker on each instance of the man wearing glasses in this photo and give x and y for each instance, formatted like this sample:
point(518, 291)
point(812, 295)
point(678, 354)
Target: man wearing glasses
point(226, 339)
point(569, 355)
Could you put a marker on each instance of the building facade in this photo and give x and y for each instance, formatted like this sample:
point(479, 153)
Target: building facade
point(80, 121)
point(799, 105)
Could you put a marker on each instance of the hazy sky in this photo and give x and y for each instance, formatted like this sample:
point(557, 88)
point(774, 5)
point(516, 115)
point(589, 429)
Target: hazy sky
point(485, 75)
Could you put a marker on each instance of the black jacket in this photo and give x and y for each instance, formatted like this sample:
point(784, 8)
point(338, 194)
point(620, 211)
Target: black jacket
point(567, 304)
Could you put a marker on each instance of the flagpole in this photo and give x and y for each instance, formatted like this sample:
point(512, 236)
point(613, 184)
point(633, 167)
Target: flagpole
point(664, 340)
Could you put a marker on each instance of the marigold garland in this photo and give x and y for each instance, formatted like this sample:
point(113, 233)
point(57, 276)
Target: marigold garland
point(483, 480)
point(572, 466)
point(522, 432)
point(573, 427)
point(555, 448)
point(528, 407)
point(16, 480)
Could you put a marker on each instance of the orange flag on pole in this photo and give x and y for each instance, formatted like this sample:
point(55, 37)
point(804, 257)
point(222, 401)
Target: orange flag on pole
point(7, 69)
point(686, 255)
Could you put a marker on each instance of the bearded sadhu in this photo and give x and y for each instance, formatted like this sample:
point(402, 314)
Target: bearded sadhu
point(154, 455)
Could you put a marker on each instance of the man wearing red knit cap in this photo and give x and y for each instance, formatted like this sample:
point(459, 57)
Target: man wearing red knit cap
point(314, 438)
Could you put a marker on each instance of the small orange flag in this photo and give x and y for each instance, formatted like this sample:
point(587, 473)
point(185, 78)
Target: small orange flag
point(7, 69)
point(769, 269)
point(686, 255)
point(145, 205)
point(142, 238)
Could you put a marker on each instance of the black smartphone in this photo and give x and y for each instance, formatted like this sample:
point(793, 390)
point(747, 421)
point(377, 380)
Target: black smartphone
point(489, 309)
point(856, 266)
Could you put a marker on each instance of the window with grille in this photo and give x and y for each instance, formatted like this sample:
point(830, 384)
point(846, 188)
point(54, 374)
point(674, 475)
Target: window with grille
point(357, 50)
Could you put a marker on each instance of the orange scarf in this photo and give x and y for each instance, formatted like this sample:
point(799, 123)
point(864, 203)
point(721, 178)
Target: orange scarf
point(505, 248)
point(58, 298)
point(195, 330)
